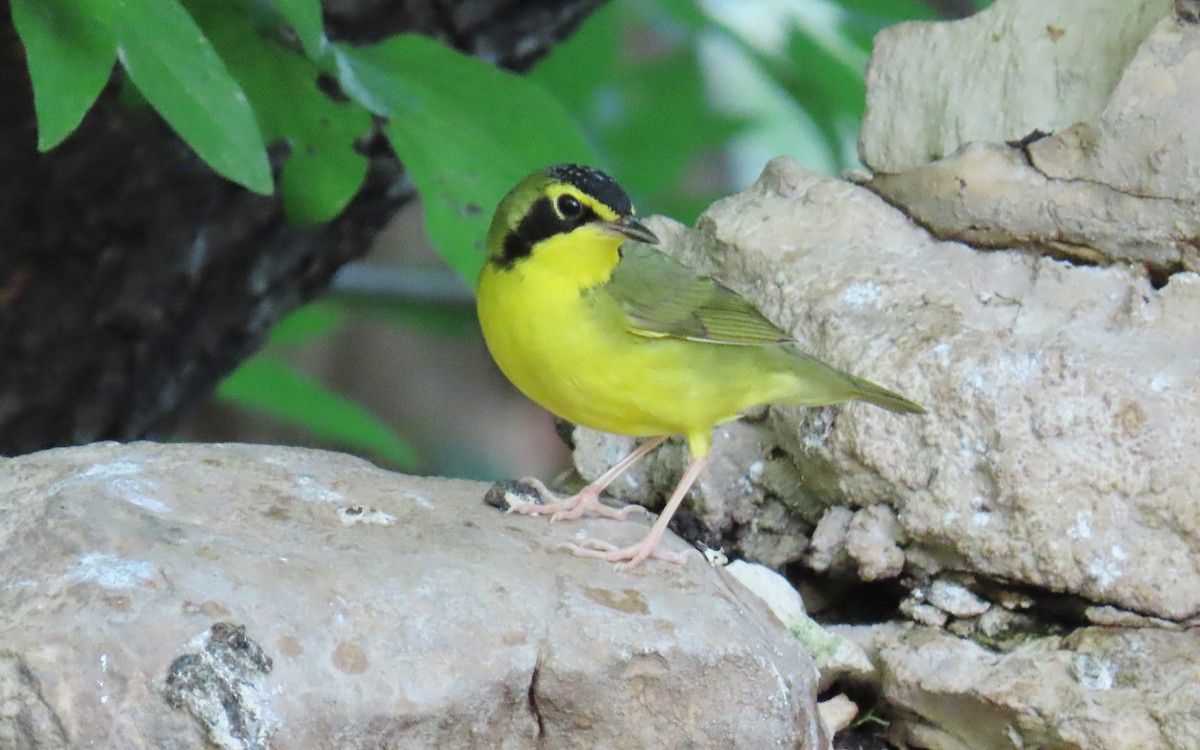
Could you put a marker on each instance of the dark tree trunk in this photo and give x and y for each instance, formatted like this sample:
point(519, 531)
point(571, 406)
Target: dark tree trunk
point(132, 278)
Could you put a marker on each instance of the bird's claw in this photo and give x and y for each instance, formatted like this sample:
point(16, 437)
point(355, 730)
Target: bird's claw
point(588, 544)
point(546, 503)
point(624, 558)
point(604, 511)
point(525, 508)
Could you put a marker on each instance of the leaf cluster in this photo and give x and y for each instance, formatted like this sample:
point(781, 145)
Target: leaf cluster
point(234, 76)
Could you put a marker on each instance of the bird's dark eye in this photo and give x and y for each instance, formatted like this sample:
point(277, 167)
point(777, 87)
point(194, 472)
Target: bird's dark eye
point(569, 207)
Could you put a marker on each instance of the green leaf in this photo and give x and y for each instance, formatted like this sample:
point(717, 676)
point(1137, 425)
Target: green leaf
point(175, 67)
point(70, 52)
point(897, 10)
point(894, 10)
point(649, 111)
point(449, 322)
point(305, 19)
point(580, 71)
point(864, 19)
point(306, 323)
point(822, 73)
point(466, 132)
point(687, 12)
point(651, 149)
point(835, 99)
point(323, 171)
point(269, 385)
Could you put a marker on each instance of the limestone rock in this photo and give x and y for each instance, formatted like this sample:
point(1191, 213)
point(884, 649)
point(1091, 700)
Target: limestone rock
point(1144, 142)
point(1062, 442)
point(733, 502)
point(244, 596)
point(918, 610)
point(775, 590)
point(956, 599)
point(873, 542)
point(1113, 173)
point(835, 657)
point(1112, 688)
point(837, 713)
point(827, 550)
point(1017, 67)
point(990, 195)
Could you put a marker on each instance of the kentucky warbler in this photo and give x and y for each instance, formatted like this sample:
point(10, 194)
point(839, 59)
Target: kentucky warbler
point(617, 336)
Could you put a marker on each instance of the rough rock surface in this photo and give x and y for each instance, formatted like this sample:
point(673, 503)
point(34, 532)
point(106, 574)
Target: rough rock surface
point(1119, 181)
point(167, 595)
point(729, 503)
point(999, 75)
point(835, 656)
point(1060, 448)
point(1112, 688)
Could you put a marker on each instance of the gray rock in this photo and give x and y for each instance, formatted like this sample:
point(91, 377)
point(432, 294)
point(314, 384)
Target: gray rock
point(171, 595)
point(873, 542)
point(955, 599)
point(1102, 614)
point(27, 720)
point(836, 657)
point(1116, 178)
point(1006, 202)
point(918, 610)
point(999, 75)
point(827, 549)
point(1112, 688)
point(837, 713)
point(734, 501)
point(1061, 442)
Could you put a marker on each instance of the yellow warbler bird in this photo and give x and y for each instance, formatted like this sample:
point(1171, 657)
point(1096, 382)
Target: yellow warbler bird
point(589, 320)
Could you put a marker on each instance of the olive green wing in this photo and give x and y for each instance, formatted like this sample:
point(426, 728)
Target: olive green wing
point(662, 298)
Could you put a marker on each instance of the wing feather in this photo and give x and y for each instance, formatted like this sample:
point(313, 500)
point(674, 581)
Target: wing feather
point(662, 298)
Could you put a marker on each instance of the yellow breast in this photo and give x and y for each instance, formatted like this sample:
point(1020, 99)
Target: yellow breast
point(570, 351)
point(552, 341)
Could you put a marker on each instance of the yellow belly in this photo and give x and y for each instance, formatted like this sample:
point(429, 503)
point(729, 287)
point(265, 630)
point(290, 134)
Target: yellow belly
point(570, 352)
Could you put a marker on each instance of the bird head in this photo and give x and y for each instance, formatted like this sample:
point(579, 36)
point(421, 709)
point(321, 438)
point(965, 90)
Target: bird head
point(565, 210)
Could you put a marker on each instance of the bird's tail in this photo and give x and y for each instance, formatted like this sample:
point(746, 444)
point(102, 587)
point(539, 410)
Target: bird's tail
point(865, 390)
point(819, 384)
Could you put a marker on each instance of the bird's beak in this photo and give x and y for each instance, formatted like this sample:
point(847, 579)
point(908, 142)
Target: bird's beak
point(630, 228)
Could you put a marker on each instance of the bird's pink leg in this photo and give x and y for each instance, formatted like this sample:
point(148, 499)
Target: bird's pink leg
point(631, 557)
point(587, 499)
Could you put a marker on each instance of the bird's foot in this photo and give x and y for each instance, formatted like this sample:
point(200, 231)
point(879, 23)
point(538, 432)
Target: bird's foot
point(625, 557)
point(589, 502)
point(586, 500)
